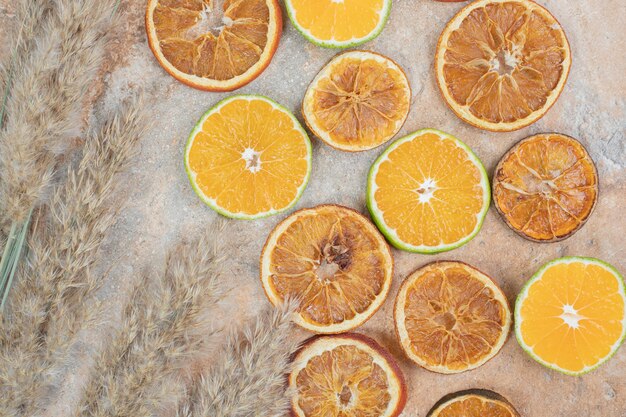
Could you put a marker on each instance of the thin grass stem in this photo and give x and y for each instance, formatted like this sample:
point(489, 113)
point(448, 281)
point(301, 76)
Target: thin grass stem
point(15, 257)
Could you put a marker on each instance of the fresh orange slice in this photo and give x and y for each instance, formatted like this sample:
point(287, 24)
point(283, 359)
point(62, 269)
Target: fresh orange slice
point(546, 187)
point(346, 375)
point(248, 157)
point(358, 101)
point(450, 317)
point(428, 192)
point(214, 45)
point(331, 259)
point(501, 64)
point(339, 23)
point(571, 315)
point(478, 403)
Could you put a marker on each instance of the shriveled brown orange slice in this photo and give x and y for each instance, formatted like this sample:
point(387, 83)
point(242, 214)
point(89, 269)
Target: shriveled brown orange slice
point(477, 402)
point(546, 187)
point(333, 261)
point(450, 317)
point(358, 101)
point(214, 45)
point(346, 375)
point(501, 64)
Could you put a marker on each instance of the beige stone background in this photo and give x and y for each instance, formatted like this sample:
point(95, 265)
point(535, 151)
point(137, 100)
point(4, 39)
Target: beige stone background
point(161, 207)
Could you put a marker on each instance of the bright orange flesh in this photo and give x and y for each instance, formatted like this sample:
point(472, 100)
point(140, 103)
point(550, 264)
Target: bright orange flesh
point(249, 157)
point(358, 101)
point(572, 316)
point(330, 20)
point(546, 187)
point(334, 261)
point(450, 317)
point(474, 405)
point(214, 44)
point(431, 191)
point(501, 64)
point(347, 376)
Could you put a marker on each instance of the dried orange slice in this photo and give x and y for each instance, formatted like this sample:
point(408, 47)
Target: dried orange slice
point(546, 187)
point(339, 23)
point(450, 317)
point(214, 45)
point(478, 402)
point(331, 259)
point(346, 375)
point(248, 157)
point(501, 64)
point(571, 315)
point(358, 101)
point(428, 192)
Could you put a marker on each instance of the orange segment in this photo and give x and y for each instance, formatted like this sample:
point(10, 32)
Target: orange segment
point(473, 403)
point(333, 261)
point(215, 45)
point(546, 187)
point(571, 316)
point(358, 101)
point(248, 157)
point(450, 317)
point(501, 64)
point(347, 375)
point(339, 24)
point(428, 192)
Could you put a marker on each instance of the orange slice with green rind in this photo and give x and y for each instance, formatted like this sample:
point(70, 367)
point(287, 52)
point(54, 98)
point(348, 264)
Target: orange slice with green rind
point(358, 101)
point(428, 192)
point(346, 375)
point(339, 24)
point(571, 315)
point(248, 157)
point(333, 261)
point(501, 64)
point(450, 317)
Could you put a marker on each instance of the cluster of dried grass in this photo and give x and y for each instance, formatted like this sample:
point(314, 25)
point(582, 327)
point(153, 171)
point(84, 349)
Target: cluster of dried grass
point(58, 48)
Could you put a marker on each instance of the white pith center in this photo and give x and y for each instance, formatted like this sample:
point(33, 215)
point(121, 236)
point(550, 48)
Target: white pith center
point(504, 62)
point(426, 190)
point(253, 160)
point(570, 316)
point(211, 19)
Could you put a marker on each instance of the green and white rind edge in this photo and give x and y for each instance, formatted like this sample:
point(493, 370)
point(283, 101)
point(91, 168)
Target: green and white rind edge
point(212, 203)
point(390, 233)
point(524, 293)
point(343, 44)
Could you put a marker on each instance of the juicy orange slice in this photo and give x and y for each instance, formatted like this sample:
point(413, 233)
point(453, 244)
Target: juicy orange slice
point(479, 403)
point(331, 259)
point(450, 317)
point(358, 101)
point(248, 157)
point(214, 45)
point(571, 315)
point(501, 64)
point(428, 192)
point(546, 187)
point(339, 24)
point(346, 375)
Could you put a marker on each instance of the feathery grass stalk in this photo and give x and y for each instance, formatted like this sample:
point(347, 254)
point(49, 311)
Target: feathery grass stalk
point(58, 49)
point(249, 378)
point(163, 325)
point(50, 303)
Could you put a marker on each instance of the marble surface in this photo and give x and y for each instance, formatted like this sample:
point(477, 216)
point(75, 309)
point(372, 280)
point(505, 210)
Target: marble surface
point(162, 208)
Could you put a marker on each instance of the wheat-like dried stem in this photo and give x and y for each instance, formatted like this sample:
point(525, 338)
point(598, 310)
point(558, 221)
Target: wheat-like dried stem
point(249, 379)
point(49, 78)
point(50, 302)
point(163, 325)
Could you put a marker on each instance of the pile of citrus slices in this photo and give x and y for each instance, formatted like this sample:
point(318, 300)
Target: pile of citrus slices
point(500, 66)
